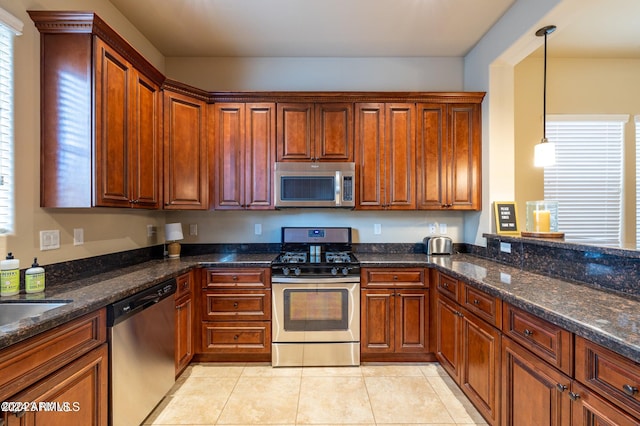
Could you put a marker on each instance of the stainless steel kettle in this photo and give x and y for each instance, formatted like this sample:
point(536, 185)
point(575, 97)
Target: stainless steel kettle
point(438, 245)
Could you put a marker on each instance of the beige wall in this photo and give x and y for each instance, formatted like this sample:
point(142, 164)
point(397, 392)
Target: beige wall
point(574, 86)
point(105, 230)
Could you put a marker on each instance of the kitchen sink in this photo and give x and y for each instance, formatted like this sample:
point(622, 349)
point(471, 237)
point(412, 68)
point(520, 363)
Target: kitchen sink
point(11, 312)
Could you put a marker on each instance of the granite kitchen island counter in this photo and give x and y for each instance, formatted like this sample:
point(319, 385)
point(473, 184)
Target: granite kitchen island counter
point(606, 318)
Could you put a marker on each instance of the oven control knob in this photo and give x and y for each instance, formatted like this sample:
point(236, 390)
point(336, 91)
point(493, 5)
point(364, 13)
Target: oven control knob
point(334, 271)
point(345, 271)
point(285, 270)
point(297, 271)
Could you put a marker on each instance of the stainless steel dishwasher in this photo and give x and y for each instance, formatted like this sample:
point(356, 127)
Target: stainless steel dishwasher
point(141, 345)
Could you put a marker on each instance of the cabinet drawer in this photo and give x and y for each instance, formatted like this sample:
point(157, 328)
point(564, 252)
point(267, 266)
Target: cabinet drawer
point(487, 307)
point(383, 277)
point(239, 337)
point(550, 342)
point(238, 278)
point(236, 305)
point(29, 361)
point(448, 286)
point(615, 377)
point(184, 285)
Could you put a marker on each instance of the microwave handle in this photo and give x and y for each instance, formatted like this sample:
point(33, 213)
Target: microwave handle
point(338, 188)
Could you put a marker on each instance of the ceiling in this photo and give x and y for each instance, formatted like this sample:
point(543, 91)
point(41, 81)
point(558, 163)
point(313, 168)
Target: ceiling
point(365, 28)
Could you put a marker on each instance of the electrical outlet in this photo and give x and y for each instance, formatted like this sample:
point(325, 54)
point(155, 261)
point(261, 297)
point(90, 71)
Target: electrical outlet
point(78, 236)
point(432, 228)
point(377, 229)
point(505, 247)
point(193, 229)
point(151, 231)
point(443, 228)
point(258, 229)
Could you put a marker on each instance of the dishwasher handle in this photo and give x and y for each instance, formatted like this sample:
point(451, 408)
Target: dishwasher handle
point(123, 309)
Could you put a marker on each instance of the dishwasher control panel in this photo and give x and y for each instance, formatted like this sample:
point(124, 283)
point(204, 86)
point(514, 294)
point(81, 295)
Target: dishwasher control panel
point(140, 301)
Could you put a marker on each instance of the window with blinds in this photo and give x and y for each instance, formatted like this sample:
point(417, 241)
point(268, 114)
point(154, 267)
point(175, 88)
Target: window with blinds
point(10, 26)
point(587, 180)
point(637, 122)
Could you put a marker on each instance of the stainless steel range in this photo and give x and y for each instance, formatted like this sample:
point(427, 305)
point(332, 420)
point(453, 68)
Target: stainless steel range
point(316, 299)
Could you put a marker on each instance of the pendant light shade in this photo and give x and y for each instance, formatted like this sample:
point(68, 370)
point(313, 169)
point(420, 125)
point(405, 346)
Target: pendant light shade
point(544, 153)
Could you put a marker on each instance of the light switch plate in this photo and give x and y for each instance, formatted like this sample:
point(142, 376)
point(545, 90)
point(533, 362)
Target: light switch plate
point(78, 236)
point(49, 240)
point(377, 229)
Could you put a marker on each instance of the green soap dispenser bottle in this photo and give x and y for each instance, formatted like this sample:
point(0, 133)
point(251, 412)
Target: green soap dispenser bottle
point(9, 276)
point(34, 278)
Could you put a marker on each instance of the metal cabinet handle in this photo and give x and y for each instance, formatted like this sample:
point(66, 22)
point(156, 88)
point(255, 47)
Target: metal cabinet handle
point(235, 278)
point(395, 278)
point(561, 387)
point(476, 302)
point(235, 304)
point(630, 390)
point(528, 333)
point(574, 396)
point(236, 337)
point(445, 285)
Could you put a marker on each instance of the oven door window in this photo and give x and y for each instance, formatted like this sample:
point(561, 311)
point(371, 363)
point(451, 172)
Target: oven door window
point(316, 310)
point(308, 188)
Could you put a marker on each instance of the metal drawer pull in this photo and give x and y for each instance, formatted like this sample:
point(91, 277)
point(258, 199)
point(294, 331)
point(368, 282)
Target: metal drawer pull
point(236, 337)
point(235, 278)
point(235, 304)
point(561, 387)
point(528, 333)
point(476, 302)
point(574, 396)
point(630, 390)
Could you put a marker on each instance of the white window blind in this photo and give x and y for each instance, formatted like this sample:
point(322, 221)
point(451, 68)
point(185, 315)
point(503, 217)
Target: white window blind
point(587, 180)
point(9, 28)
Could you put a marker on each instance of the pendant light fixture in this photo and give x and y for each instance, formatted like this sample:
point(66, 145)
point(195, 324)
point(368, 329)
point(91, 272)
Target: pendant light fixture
point(544, 153)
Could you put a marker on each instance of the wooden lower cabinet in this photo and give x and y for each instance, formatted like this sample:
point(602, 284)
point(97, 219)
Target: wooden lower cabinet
point(394, 315)
point(235, 315)
point(74, 395)
point(184, 317)
point(469, 350)
point(533, 392)
point(589, 409)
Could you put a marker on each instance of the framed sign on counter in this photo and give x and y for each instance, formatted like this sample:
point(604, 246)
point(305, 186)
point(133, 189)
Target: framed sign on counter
point(506, 217)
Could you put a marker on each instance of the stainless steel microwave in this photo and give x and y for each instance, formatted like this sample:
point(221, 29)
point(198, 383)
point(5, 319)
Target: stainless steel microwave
point(314, 184)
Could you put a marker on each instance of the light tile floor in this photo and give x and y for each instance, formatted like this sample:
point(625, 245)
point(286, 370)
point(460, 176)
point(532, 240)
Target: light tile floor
point(250, 394)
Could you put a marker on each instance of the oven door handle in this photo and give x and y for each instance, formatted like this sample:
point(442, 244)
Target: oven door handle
point(311, 280)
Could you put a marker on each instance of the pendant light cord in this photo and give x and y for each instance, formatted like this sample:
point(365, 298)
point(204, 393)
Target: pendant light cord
point(545, 31)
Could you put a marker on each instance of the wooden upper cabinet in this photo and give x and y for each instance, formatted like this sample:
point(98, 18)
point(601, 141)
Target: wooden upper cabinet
point(315, 132)
point(100, 116)
point(244, 139)
point(385, 155)
point(448, 156)
point(185, 153)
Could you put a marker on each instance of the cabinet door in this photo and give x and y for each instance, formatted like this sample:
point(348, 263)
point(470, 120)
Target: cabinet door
point(431, 150)
point(259, 150)
point(588, 409)
point(295, 132)
point(145, 167)
point(411, 321)
point(184, 332)
point(463, 175)
point(113, 127)
point(479, 376)
point(448, 344)
point(229, 136)
point(400, 156)
point(185, 153)
point(369, 135)
point(333, 132)
point(82, 386)
point(377, 321)
point(533, 392)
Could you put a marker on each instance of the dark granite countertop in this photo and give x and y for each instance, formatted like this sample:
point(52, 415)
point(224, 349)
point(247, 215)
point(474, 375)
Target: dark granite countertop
point(88, 295)
point(605, 318)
